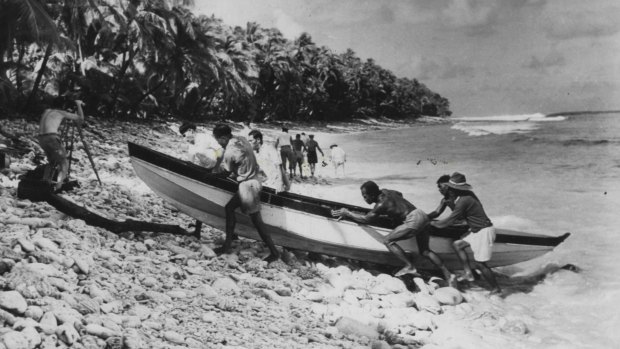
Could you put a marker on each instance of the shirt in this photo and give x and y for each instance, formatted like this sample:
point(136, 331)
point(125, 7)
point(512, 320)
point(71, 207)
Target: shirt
point(269, 161)
point(284, 138)
point(467, 208)
point(338, 155)
point(239, 159)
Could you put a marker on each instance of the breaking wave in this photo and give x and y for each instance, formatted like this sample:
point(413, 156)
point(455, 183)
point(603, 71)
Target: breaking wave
point(501, 124)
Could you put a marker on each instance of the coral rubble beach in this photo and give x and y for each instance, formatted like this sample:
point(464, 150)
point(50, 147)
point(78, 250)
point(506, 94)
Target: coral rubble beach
point(67, 284)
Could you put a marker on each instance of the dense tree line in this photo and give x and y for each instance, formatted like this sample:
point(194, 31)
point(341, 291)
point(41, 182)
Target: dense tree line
point(155, 58)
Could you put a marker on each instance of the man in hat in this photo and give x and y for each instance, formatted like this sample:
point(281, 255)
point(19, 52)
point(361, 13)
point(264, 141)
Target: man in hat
point(411, 221)
point(240, 164)
point(481, 233)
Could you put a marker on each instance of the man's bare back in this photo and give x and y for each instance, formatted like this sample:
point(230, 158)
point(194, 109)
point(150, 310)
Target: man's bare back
point(52, 118)
point(392, 204)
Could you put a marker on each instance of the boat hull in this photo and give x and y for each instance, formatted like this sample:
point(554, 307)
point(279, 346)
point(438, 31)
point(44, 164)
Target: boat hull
point(310, 229)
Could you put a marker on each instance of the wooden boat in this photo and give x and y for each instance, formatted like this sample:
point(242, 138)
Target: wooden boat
point(305, 223)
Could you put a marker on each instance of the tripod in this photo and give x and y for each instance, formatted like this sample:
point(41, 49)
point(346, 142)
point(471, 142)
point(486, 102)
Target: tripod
point(69, 129)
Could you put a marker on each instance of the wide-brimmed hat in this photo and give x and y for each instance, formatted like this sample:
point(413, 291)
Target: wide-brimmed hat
point(458, 181)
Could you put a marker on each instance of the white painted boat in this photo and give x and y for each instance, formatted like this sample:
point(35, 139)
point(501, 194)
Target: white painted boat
point(305, 223)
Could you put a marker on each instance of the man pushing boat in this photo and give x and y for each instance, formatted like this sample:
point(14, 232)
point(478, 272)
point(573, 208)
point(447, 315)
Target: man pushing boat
point(240, 164)
point(412, 222)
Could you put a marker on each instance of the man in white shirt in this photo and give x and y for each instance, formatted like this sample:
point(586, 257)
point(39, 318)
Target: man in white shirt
point(270, 162)
point(338, 158)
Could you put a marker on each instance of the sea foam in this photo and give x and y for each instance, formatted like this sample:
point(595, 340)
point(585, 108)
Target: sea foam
point(501, 124)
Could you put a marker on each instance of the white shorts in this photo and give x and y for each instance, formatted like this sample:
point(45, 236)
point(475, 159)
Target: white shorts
point(249, 193)
point(481, 243)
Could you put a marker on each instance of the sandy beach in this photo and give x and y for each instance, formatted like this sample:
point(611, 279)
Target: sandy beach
point(72, 284)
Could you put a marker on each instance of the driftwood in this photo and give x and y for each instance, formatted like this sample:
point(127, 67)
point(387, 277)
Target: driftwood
point(32, 187)
point(70, 208)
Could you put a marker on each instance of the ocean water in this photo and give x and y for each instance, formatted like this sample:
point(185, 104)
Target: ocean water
point(532, 173)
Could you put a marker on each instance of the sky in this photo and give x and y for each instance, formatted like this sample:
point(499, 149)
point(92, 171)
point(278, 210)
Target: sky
point(488, 57)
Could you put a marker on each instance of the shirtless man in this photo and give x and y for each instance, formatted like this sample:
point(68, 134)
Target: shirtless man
point(312, 147)
point(298, 150)
point(412, 221)
point(50, 141)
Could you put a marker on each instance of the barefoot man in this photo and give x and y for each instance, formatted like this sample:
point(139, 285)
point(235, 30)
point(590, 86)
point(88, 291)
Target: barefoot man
point(481, 234)
point(240, 163)
point(412, 221)
point(50, 141)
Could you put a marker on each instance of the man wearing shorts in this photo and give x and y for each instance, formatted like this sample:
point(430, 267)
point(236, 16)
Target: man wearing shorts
point(312, 147)
point(298, 150)
point(240, 164)
point(481, 233)
point(284, 143)
point(412, 221)
point(50, 141)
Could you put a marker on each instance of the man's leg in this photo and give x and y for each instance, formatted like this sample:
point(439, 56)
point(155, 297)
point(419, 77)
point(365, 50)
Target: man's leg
point(197, 229)
point(459, 247)
point(423, 241)
point(231, 220)
point(400, 233)
point(487, 274)
point(257, 220)
point(283, 156)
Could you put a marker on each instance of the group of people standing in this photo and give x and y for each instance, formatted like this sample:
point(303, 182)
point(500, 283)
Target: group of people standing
point(292, 151)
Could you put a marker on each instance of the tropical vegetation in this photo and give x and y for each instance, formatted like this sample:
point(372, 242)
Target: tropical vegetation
point(156, 58)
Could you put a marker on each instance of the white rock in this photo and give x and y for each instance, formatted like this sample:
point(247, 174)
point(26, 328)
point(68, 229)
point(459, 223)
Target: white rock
point(448, 296)
point(46, 244)
point(67, 333)
point(174, 337)
point(34, 312)
point(206, 291)
point(100, 331)
point(22, 323)
point(43, 269)
point(386, 284)
point(15, 340)
point(33, 337)
point(82, 264)
point(132, 339)
point(149, 281)
point(353, 327)
point(226, 286)
point(13, 300)
point(26, 244)
point(49, 342)
point(206, 252)
point(427, 303)
point(48, 323)
point(209, 317)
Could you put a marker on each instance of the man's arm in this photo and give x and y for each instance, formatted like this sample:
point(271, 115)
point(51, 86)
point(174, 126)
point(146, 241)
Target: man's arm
point(358, 217)
point(79, 118)
point(456, 214)
point(321, 150)
point(439, 210)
